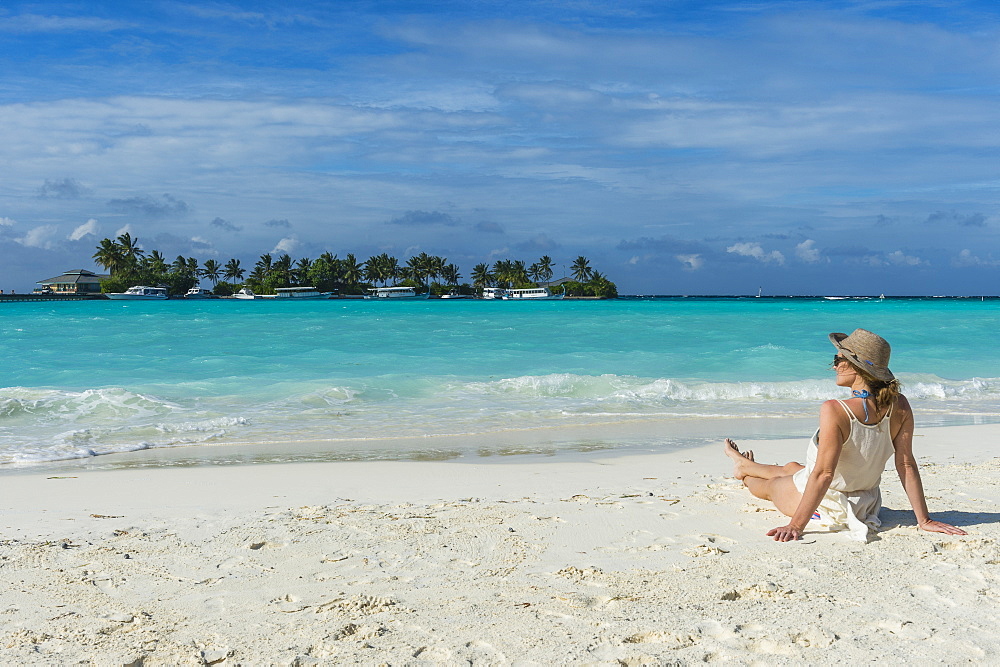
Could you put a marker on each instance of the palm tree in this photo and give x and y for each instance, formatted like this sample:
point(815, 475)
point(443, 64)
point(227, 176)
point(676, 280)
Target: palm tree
point(519, 272)
point(581, 269)
point(391, 269)
point(131, 253)
point(449, 273)
point(503, 272)
point(421, 267)
point(545, 268)
point(350, 270)
point(264, 264)
point(179, 265)
point(374, 269)
point(281, 270)
point(154, 262)
point(109, 255)
point(301, 271)
point(481, 276)
point(212, 271)
point(535, 272)
point(234, 271)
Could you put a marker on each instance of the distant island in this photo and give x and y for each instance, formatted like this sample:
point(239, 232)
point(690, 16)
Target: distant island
point(130, 265)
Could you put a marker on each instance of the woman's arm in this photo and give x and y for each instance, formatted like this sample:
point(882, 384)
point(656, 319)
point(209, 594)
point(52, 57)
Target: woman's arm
point(909, 473)
point(834, 428)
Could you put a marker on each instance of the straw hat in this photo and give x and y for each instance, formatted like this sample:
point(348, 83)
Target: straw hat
point(865, 350)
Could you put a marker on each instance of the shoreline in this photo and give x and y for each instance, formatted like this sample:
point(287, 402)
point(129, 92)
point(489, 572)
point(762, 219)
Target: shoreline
point(551, 443)
point(603, 558)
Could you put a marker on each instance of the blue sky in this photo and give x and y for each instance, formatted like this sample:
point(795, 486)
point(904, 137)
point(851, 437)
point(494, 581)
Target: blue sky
point(684, 147)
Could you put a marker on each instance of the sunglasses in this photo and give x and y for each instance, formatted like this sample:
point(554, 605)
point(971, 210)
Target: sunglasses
point(837, 359)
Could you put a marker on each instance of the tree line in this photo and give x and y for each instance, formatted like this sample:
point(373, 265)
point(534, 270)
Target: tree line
point(128, 264)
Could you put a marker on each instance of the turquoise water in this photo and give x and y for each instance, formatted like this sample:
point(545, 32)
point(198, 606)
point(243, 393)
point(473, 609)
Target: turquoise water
point(81, 379)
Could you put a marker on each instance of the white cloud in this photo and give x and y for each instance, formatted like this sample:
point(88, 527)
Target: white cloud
point(88, 228)
point(286, 245)
point(966, 258)
point(807, 251)
point(202, 245)
point(7, 222)
point(39, 237)
point(899, 258)
point(754, 250)
point(127, 229)
point(690, 262)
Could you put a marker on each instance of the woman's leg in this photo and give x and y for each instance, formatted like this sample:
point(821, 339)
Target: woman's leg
point(768, 482)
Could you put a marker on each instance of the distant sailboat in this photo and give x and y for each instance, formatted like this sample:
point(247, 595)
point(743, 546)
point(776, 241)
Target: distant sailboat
point(759, 290)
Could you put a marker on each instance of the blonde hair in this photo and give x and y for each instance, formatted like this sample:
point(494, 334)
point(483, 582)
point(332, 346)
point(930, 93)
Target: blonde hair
point(883, 393)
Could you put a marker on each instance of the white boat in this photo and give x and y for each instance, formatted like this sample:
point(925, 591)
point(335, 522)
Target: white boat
point(395, 293)
point(494, 292)
point(245, 293)
point(300, 293)
point(533, 293)
point(454, 295)
point(139, 293)
point(198, 293)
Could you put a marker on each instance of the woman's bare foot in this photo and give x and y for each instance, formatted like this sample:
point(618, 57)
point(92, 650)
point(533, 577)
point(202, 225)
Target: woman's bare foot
point(739, 458)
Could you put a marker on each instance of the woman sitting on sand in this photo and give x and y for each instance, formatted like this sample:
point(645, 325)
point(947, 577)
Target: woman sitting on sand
point(838, 488)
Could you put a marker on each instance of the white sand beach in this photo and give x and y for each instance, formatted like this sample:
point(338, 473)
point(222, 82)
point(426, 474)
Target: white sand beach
point(627, 560)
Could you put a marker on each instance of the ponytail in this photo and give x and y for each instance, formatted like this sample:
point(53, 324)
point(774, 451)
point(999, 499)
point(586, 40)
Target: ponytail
point(884, 393)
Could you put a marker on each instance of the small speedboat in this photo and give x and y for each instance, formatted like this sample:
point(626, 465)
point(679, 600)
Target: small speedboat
point(198, 293)
point(245, 293)
point(139, 293)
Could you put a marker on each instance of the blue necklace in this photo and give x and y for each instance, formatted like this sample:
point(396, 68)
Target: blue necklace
point(863, 394)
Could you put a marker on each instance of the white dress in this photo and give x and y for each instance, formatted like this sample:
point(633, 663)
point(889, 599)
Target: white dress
point(853, 500)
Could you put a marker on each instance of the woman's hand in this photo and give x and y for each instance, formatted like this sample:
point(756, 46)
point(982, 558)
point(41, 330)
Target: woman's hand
point(785, 533)
point(933, 526)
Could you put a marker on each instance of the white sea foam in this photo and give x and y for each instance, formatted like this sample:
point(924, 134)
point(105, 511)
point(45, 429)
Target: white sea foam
point(47, 424)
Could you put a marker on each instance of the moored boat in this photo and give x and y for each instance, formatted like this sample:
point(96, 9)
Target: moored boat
point(533, 293)
point(245, 293)
point(494, 292)
point(395, 293)
point(198, 293)
point(282, 293)
point(139, 293)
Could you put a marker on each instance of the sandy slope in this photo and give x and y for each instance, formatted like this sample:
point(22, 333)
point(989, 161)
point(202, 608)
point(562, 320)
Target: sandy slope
point(647, 559)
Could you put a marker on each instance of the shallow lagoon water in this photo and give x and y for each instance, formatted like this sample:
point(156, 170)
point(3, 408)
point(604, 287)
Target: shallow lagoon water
point(350, 379)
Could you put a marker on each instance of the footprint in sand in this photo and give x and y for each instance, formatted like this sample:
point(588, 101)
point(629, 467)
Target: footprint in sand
point(929, 594)
point(670, 640)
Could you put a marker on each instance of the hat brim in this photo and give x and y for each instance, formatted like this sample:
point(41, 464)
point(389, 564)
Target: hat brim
point(883, 374)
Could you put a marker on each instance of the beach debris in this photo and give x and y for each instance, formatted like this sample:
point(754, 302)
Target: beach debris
point(358, 633)
point(580, 498)
point(335, 558)
point(107, 516)
point(215, 656)
point(60, 477)
point(814, 637)
point(704, 550)
point(119, 617)
point(573, 572)
point(357, 604)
